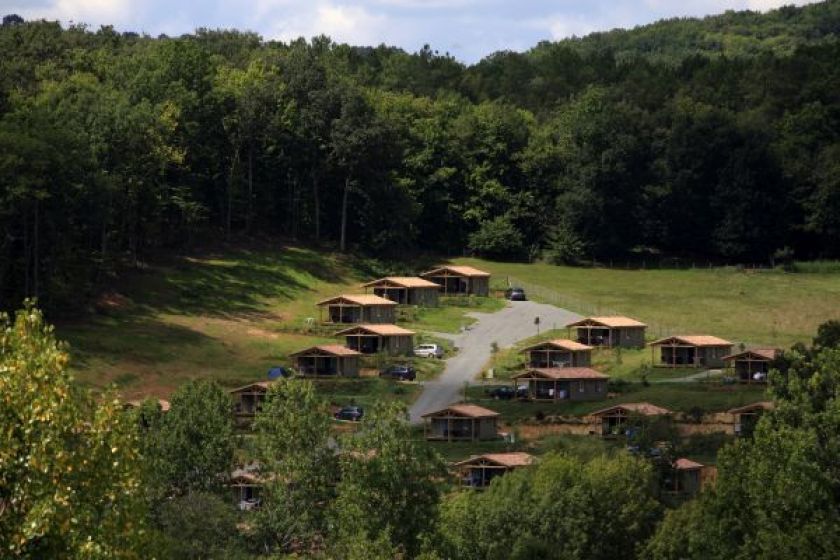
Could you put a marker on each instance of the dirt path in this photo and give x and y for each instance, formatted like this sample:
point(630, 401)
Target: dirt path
point(506, 327)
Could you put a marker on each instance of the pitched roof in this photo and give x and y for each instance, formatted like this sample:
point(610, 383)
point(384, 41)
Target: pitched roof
point(468, 410)
point(683, 464)
point(381, 330)
point(362, 299)
point(331, 349)
point(513, 459)
point(643, 408)
point(615, 321)
point(693, 340)
point(261, 384)
point(760, 353)
point(562, 373)
point(561, 343)
point(403, 282)
point(760, 405)
point(457, 270)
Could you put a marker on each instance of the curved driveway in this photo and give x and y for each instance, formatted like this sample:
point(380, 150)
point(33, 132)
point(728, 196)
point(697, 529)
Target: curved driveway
point(506, 327)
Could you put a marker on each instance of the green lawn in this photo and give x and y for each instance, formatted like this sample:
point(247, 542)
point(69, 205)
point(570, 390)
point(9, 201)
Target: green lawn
point(227, 315)
point(773, 308)
point(679, 397)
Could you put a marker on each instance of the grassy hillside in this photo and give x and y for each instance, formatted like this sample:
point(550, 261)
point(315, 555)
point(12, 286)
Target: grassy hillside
point(227, 315)
point(773, 308)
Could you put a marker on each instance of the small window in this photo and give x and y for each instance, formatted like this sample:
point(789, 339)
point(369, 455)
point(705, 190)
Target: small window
point(582, 386)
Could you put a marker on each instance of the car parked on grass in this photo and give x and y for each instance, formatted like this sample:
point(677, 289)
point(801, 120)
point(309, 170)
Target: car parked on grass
point(506, 392)
point(400, 372)
point(351, 413)
point(428, 351)
point(515, 294)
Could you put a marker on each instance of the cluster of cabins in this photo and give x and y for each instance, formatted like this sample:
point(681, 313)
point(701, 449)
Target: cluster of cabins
point(367, 322)
point(560, 369)
point(556, 370)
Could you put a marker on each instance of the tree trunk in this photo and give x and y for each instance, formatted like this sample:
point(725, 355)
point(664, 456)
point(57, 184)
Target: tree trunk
point(250, 186)
point(231, 175)
point(36, 242)
point(317, 201)
point(343, 243)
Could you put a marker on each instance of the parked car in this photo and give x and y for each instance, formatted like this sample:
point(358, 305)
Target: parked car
point(428, 351)
point(400, 372)
point(506, 392)
point(351, 413)
point(515, 294)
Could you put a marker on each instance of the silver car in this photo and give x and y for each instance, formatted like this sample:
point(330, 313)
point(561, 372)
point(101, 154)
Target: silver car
point(428, 351)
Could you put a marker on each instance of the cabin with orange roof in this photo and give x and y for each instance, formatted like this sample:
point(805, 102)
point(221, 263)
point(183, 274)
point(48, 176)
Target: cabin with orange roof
point(479, 471)
point(365, 308)
point(561, 352)
point(405, 290)
point(615, 420)
point(686, 477)
point(612, 332)
point(753, 365)
point(560, 384)
point(372, 339)
point(459, 280)
point(690, 351)
point(461, 422)
point(327, 360)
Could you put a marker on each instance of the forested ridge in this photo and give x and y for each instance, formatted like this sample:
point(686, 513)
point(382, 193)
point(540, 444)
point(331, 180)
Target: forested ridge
point(716, 138)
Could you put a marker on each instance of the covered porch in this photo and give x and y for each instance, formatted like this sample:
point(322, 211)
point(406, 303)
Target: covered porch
point(478, 472)
point(751, 366)
point(373, 339)
point(327, 361)
point(248, 400)
point(459, 280)
point(461, 423)
point(615, 420)
point(558, 353)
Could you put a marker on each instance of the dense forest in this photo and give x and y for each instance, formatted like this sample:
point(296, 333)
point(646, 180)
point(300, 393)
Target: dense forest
point(716, 138)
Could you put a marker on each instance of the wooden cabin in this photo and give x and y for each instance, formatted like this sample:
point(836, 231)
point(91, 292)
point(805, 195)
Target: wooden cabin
point(690, 351)
point(372, 339)
point(459, 280)
point(461, 422)
point(686, 478)
point(328, 360)
point(752, 366)
point(560, 384)
point(480, 470)
point(246, 487)
point(746, 417)
point(366, 308)
point(248, 400)
point(615, 419)
point(612, 332)
point(406, 290)
point(558, 353)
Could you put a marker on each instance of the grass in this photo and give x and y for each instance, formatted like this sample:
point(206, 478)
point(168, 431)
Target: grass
point(617, 363)
point(679, 397)
point(771, 308)
point(228, 315)
point(451, 316)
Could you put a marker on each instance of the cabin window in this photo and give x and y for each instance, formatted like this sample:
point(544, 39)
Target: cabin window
point(582, 386)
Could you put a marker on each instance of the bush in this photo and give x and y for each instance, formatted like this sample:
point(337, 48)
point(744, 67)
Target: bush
point(564, 246)
point(497, 238)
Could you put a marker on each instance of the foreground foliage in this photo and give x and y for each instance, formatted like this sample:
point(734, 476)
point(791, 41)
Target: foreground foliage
point(70, 480)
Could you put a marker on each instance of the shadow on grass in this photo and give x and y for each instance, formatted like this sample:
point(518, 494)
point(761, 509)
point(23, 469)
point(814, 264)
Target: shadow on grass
point(233, 283)
point(138, 339)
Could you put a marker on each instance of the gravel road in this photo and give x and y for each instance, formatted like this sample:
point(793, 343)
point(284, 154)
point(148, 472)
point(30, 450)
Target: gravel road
point(506, 327)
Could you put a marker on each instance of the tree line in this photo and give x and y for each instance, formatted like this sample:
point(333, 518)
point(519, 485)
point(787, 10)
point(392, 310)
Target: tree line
point(80, 477)
point(114, 146)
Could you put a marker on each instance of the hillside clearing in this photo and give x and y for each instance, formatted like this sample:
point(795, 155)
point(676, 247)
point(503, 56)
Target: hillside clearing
point(768, 308)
